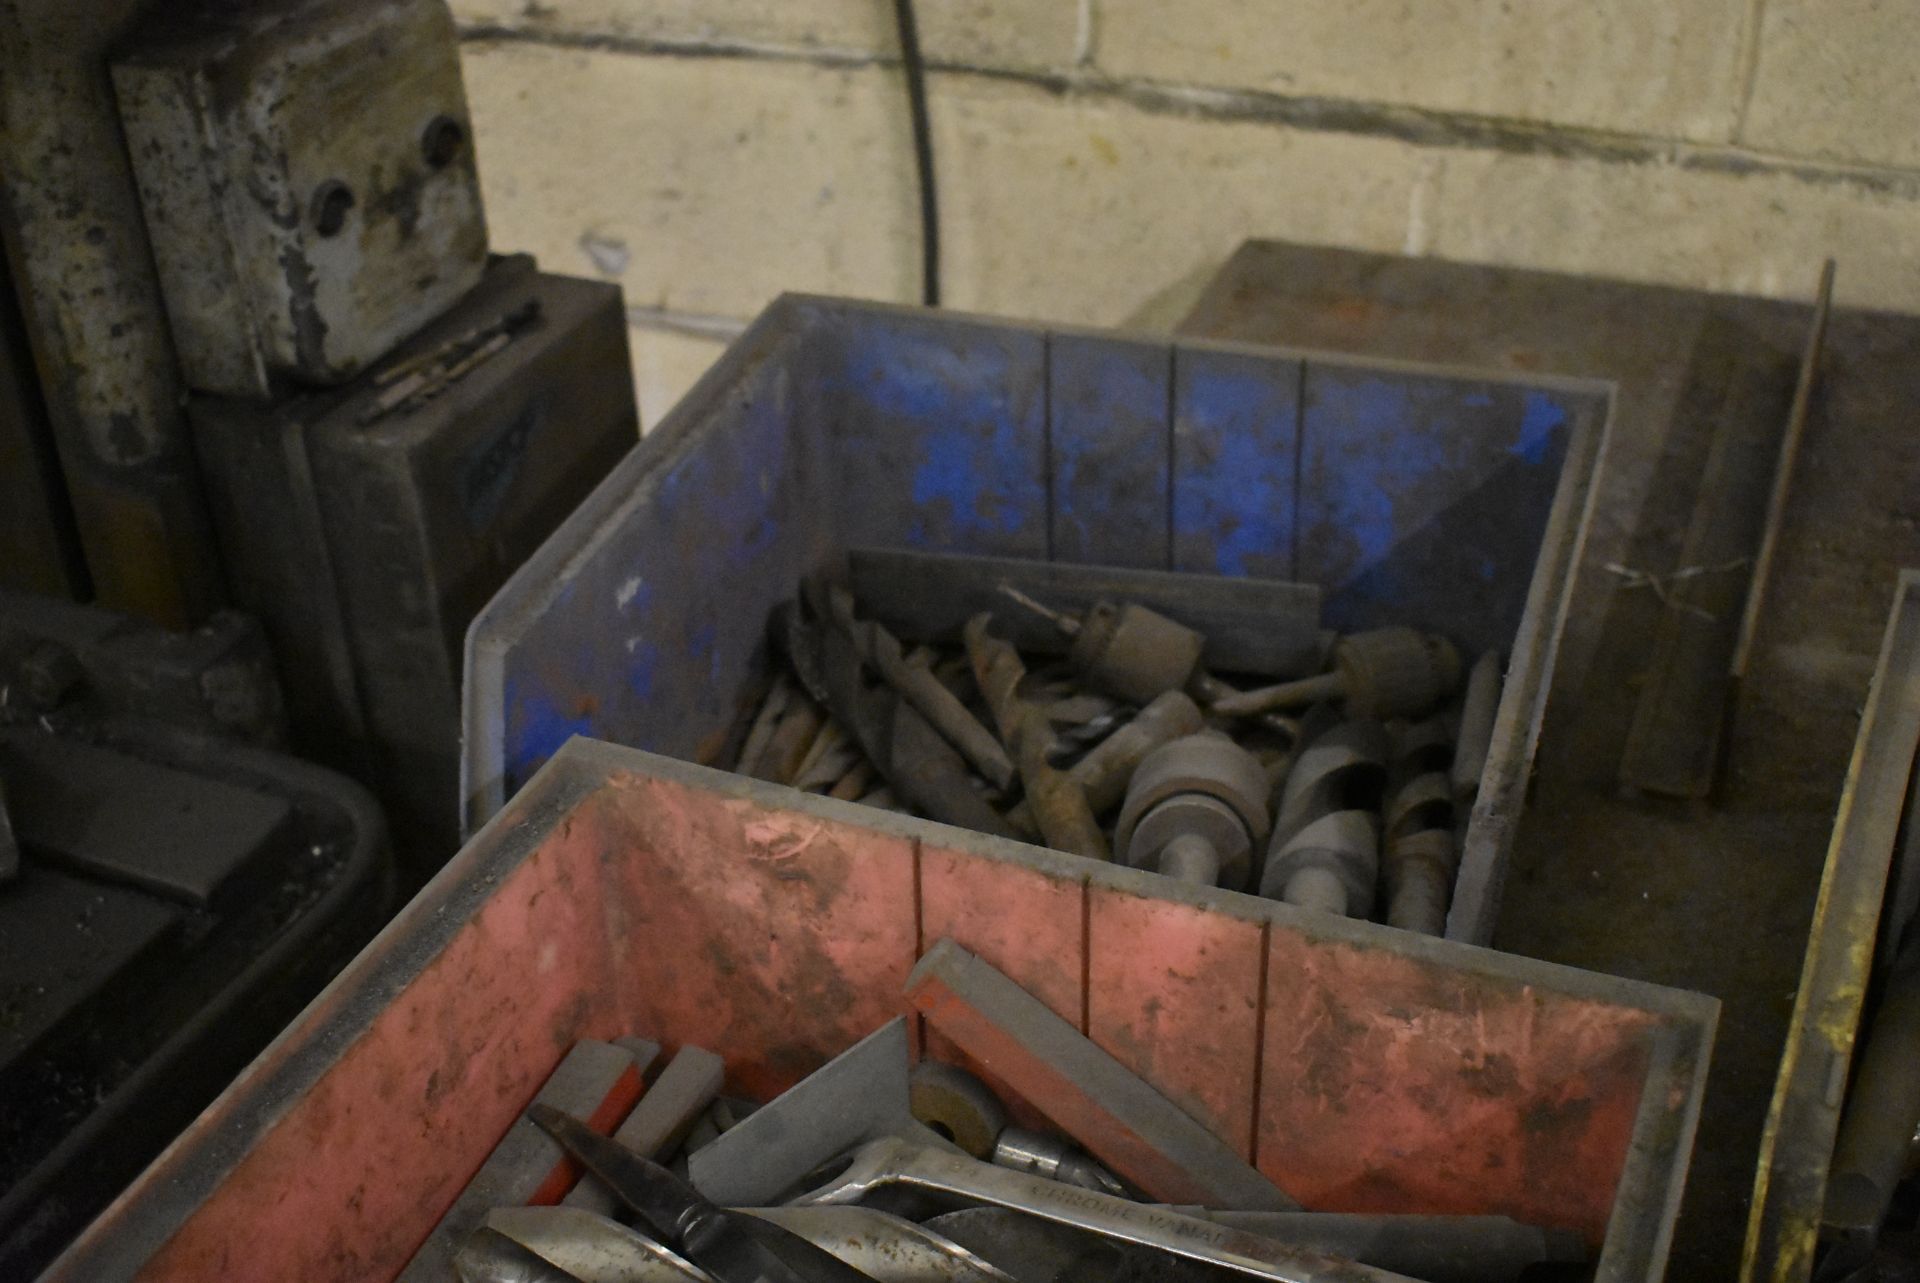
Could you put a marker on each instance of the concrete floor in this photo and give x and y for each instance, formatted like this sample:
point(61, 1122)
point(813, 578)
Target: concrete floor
point(1711, 898)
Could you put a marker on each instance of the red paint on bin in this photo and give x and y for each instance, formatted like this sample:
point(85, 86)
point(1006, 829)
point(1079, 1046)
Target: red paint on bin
point(1390, 1085)
point(1177, 1004)
point(627, 894)
point(349, 1183)
point(1023, 920)
point(772, 938)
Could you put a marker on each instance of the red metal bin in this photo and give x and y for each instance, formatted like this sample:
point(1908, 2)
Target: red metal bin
point(621, 892)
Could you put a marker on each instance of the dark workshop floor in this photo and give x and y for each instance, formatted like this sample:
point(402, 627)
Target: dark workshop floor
point(1718, 898)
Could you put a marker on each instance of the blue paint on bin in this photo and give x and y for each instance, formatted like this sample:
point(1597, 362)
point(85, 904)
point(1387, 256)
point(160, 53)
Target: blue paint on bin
point(1541, 426)
point(1235, 434)
point(958, 472)
point(537, 726)
point(1410, 495)
point(938, 436)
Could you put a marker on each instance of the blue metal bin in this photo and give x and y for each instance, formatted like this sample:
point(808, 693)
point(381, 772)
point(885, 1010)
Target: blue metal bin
point(1453, 500)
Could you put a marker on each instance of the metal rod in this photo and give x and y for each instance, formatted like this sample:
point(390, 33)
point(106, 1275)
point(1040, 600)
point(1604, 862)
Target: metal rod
point(1783, 473)
point(1065, 623)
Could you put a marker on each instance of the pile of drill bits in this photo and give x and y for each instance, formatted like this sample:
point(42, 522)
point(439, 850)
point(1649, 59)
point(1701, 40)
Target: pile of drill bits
point(1344, 791)
point(876, 1168)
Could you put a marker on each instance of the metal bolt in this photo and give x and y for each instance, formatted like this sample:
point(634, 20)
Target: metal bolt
point(331, 201)
point(441, 140)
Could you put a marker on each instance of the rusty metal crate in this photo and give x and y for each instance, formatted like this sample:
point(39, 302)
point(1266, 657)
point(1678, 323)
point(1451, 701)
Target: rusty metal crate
point(1448, 499)
point(622, 892)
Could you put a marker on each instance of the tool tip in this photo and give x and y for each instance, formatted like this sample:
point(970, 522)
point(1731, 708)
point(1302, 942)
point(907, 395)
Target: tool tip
point(1064, 623)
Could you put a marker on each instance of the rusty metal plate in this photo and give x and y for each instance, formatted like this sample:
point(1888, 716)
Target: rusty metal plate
point(308, 179)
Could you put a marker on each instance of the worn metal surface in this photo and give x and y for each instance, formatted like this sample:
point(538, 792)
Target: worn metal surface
point(39, 544)
point(1330, 864)
point(858, 1095)
point(788, 938)
point(201, 842)
point(922, 768)
point(1629, 888)
point(987, 899)
point(1783, 470)
point(1105, 769)
point(1796, 1149)
point(1106, 451)
point(940, 430)
point(884, 1248)
point(58, 656)
point(75, 235)
point(1674, 743)
point(1439, 1249)
point(1406, 489)
point(1132, 653)
point(732, 1246)
point(1124, 1122)
point(1477, 708)
point(1202, 789)
point(9, 841)
point(887, 1249)
point(1235, 447)
point(486, 1255)
point(307, 177)
point(833, 424)
point(1418, 875)
point(792, 940)
point(1049, 1156)
point(366, 549)
point(1341, 768)
point(1870, 1153)
point(591, 1248)
point(597, 1081)
point(175, 1019)
point(667, 616)
point(893, 1162)
point(68, 940)
point(666, 1113)
point(927, 693)
point(1057, 803)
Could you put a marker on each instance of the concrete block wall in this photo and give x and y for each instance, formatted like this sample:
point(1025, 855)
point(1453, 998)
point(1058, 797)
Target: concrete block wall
point(1097, 159)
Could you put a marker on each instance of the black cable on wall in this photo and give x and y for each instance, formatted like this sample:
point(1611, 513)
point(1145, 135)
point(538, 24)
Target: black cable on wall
point(916, 70)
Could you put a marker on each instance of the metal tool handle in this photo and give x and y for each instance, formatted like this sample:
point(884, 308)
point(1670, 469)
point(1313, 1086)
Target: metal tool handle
point(1294, 694)
point(896, 1162)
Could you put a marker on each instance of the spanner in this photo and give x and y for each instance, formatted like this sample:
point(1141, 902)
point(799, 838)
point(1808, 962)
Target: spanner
point(892, 1161)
